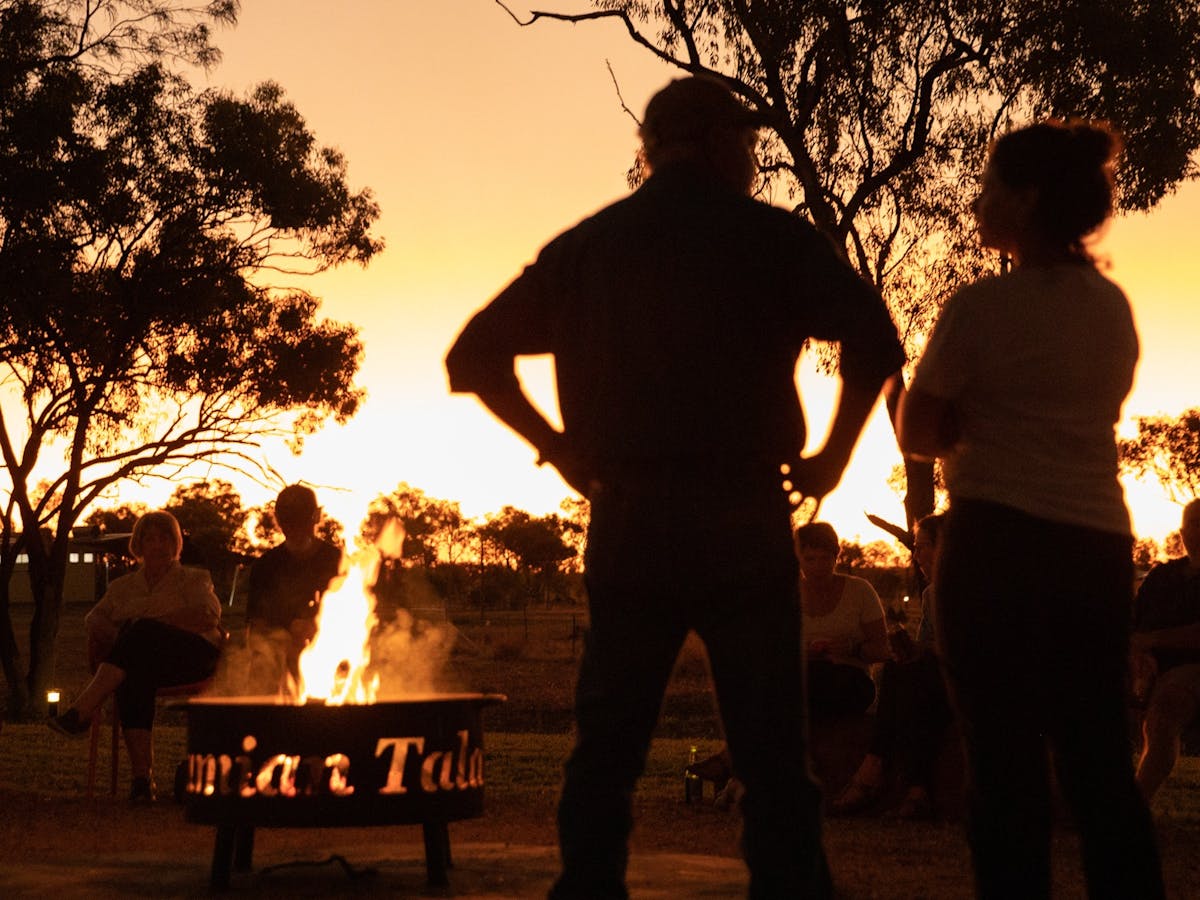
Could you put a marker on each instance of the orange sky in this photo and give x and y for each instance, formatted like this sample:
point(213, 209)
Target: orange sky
point(481, 140)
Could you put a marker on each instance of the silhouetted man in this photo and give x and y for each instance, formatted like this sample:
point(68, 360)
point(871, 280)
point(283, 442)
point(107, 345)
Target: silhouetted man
point(676, 317)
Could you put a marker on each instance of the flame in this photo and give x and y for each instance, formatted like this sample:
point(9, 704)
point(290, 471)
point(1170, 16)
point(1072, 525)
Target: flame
point(336, 667)
point(333, 667)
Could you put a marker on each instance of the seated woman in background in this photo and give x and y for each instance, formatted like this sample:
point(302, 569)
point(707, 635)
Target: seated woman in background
point(843, 628)
point(913, 711)
point(158, 626)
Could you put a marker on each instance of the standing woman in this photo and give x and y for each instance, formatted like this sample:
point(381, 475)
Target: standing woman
point(1019, 392)
point(158, 626)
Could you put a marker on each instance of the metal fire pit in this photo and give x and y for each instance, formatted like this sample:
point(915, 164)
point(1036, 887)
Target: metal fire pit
point(253, 762)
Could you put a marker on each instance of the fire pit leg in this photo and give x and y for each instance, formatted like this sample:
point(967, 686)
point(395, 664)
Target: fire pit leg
point(437, 853)
point(232, 851)
point(243, 849)
point(222, 860)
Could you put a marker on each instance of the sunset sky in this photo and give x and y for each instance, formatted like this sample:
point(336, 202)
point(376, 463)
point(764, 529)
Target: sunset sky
point(481, 140)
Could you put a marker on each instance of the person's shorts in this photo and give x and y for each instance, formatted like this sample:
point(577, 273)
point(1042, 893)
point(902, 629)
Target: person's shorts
point(1186, 677)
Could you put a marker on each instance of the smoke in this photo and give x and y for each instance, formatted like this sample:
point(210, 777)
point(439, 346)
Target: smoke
point(367, 647)
point(256, 669)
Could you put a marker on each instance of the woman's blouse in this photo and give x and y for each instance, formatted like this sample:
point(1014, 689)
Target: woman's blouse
point(858, 607)
point(1036, 365)
point(181, 589)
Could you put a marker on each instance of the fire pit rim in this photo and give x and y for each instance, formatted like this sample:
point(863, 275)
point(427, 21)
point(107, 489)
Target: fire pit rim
point(482, 699)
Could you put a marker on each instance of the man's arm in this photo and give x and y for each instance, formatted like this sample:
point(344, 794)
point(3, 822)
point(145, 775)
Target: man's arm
point(483, 361)
point(819, 474)
point(508, 402)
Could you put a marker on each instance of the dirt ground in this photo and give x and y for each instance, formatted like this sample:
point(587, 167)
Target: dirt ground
point(54, 840)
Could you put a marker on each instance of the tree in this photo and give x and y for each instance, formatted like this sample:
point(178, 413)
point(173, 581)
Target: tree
point(213, 521)
point(140, 224)
point(434, 530)
point(535, 546)
point(1146, 552)
point(116, 520)
point(1167, 450)
point(576, 516)
point(881, 112)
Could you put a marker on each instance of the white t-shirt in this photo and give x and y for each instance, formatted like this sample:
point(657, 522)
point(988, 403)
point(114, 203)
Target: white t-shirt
point(858, 607)
point(1036, 364)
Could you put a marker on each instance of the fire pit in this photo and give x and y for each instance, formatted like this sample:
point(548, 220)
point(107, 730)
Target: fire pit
point(255, 762)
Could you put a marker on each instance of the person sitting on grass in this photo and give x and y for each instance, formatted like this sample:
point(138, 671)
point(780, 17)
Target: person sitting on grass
point(158, 626)
point(843, 624)
point(913, 711)
point(1166, 638)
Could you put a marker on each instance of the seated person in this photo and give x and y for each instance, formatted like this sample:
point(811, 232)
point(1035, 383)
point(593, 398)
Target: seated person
point(286, 586)
point(913, 710)
point(157, 626)
point(843, 628)
point(1166, 643)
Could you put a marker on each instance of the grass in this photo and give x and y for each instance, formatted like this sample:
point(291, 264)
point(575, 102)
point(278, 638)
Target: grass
point(43, 810)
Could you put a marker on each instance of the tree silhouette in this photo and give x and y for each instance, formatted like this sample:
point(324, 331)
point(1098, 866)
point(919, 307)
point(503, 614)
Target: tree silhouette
point(1167, 450)
point(881, 113)
point(434, 530)
point(141, 224)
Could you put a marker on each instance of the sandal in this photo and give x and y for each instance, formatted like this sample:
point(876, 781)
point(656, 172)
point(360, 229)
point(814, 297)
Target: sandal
point(855, 797)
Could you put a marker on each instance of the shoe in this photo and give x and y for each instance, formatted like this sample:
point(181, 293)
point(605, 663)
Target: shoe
point(70, 723)
point(142, 790)
point(715, 769)
point(855, 797)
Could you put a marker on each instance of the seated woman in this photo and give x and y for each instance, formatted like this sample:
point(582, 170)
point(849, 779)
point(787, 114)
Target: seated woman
point(157, 626)
point(913, 710)
point(843, 628)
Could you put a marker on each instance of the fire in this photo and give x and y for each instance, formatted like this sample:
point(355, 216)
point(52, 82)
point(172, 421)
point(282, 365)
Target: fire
point(334, 666)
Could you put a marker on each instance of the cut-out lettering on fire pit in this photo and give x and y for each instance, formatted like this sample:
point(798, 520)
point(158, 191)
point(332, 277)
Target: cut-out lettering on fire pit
point(410, 767)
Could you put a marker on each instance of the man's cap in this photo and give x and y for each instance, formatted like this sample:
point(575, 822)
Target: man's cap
point(687, 109)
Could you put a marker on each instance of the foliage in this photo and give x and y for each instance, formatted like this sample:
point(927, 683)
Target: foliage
point(576, 516)
point(880, 113)
point(117, 519)
point(211, 516)
point(434, 530)
point(1146, 552)
point(139, 223)
point(529, 542)
point(1166, 449)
